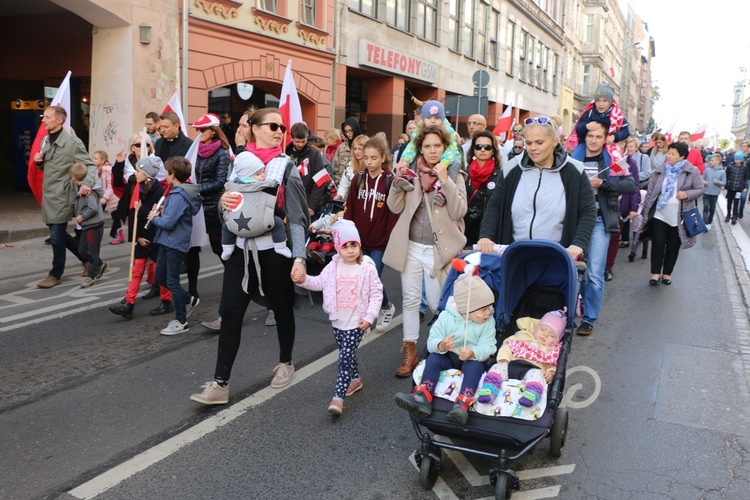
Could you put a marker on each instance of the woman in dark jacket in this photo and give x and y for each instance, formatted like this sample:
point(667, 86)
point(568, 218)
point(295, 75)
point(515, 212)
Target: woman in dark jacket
point(485, 167)
point(737, 177)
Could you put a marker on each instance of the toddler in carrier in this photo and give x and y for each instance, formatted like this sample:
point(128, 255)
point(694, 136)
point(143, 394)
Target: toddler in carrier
point(463, 337)
point(529, 355)
point(258, 202)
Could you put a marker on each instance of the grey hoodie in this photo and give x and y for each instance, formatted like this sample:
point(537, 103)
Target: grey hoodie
point(89, 207)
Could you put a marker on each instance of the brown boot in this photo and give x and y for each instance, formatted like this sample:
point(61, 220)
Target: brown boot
point(85, 272)
point(410, 359)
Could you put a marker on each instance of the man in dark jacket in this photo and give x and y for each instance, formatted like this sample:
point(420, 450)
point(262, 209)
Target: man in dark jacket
point(172, 142)
point(607, 188)
point(309, 161)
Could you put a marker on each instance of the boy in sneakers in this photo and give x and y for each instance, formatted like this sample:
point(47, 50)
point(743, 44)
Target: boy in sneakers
point(90, 216)
point(174, 223)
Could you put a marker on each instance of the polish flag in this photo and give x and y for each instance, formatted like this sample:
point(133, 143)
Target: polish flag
point(699, 134)
point(175, 106)
point(612, 71)
point(670, 132)
point(289, 106)
point(505, 123)
point(198, 236)
point(303, 168)
point(34, 175)
point(321, 177)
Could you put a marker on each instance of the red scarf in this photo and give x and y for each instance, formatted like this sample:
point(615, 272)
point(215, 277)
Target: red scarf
point(480, 174)
point(427, 175)
point(331, 150)
point(265, 154)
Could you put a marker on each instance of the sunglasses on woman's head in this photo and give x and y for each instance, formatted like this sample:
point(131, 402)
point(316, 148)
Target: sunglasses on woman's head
point(274, 126)
point(486, 147)
point(541, 120)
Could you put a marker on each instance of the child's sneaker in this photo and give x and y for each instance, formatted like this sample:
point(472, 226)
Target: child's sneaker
point(460, 412)
point(192, 304)
point(418, 402)
point(88, 281)
point(213, 394)
point(384, 318)
point(354, 386)
point(174, 327)
point(102, 267)
point(403, 184)
point(281, 249)
point(336, 407)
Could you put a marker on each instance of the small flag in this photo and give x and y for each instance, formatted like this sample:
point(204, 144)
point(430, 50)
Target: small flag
point(699, 134)
point(321, 177)
point(302, 169)
point(175, 106)
point(620, 168)
point(136, 197)
point(505, 122)
point(289, 106)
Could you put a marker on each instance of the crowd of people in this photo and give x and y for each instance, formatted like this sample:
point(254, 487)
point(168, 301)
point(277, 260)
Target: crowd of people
point(328, 213)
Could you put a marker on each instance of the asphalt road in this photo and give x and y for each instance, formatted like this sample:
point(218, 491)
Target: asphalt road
point(89, 403)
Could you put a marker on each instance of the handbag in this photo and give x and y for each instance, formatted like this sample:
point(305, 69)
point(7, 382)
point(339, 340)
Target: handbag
point(692, 222)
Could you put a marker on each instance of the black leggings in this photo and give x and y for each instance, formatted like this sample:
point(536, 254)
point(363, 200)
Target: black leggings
point(277, 286)
point(193, 262)
point(665, 247)
point(733, 204)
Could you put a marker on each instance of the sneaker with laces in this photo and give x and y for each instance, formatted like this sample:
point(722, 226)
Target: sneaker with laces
point(270, 319)
point(384, 318)
point(213, 394)
point(192, 304)
point(174, 327)
point(102, 268)
point(417, 403)
point(212, 325)
point(284, 374)
point(336, 407)
point(354, 386)
point(88, 281)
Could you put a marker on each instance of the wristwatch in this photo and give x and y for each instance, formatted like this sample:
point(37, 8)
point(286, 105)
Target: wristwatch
point(299, 260)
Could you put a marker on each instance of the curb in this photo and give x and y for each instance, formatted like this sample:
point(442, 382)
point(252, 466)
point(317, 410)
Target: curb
point(13, 235)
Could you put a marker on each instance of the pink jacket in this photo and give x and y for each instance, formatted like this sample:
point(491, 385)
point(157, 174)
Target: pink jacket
point(105, 175)
point(370, 289)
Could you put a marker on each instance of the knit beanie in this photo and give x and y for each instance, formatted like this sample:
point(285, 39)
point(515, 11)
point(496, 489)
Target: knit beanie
point(433, 108)
point(555, 320)
point(343, 232)
point(739, 155)
point(471, 293)
point(245, 165)
point(150, 165)
point(605, 90)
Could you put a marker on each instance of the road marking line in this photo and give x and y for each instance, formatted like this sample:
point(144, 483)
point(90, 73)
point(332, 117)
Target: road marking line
point(468, 470)
point(556, 470)
point(549, 492)
point(142, 461)
point(48, 309)
point(441, 489)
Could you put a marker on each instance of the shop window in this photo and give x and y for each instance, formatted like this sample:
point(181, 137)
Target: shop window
point(427, 20)
point(307, 9)
point(510, 47)
point(398, 13)
point(469, 10)
point(366, 7)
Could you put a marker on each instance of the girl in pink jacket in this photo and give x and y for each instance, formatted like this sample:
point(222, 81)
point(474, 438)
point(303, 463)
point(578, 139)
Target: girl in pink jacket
point(352, 293)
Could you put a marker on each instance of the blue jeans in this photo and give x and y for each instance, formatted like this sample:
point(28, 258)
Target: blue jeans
point(593, 284)
point(61, 240)
point(168, 265)
point(377, 257)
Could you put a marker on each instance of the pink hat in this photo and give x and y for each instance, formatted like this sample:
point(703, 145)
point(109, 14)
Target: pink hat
point(555, 320)
point(344, 231)
point(207, 120)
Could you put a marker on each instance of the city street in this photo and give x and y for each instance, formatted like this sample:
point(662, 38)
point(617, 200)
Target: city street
point(93, 405)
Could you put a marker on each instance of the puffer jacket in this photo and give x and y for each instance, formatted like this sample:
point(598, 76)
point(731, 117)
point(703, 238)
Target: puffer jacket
point(736, 177)
point(211, 174)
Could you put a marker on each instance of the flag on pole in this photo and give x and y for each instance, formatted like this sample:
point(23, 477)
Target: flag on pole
point(505, 122)
point(136, 196)
point(303, 168)
point(34, 175)
point(175, 106)
point(670, 132)
point(198, 237)
point(699, 134)
point(289, 106)
point(321, 177)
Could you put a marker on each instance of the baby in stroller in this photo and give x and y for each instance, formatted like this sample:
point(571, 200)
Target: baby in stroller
point(530, 355)
point(321, 247)
point(462, 337)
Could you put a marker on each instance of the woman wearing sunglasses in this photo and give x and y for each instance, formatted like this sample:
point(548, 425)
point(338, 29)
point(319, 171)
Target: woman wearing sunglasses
point(264, 271)
point(542, 194)
point(484, 169)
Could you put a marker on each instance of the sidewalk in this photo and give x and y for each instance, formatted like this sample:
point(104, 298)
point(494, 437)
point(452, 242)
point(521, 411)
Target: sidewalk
point(20, 217)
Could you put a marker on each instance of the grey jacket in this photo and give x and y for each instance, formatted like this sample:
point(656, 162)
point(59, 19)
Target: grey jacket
point(711, 174)
point(89, 207)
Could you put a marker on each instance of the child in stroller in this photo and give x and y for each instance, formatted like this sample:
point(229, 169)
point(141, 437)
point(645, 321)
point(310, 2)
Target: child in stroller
point(320, 247)
point(470, 311)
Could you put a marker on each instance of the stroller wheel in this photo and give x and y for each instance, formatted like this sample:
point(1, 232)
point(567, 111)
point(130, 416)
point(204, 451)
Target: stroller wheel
point(558, 433)
point(503, 486)
point(428, 472)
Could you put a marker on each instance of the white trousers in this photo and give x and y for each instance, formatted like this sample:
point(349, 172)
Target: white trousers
point(419, 262)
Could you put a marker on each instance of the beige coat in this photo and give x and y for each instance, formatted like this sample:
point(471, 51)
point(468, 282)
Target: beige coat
point(449, 224)
point(59, 193)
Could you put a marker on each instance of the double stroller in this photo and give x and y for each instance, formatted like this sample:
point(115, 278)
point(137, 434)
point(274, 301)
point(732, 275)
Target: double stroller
point(531, 278)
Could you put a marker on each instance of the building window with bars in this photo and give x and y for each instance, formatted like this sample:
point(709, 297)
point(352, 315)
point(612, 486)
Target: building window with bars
point(454, 22)
point(397, 13)
point(482, 24)
point(469, 33)
point(510, 47)
point(366, 7)
point(531, 51)
point(523, 55)
point(427, 20)
point(492, 28)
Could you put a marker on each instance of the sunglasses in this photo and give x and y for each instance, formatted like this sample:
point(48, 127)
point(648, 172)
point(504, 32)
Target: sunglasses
point(274, 126)
point(480, 147)
point(517, 147)
point(517, 130)
point(541, 120)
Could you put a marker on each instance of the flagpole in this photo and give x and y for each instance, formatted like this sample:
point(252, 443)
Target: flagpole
point(135, 237)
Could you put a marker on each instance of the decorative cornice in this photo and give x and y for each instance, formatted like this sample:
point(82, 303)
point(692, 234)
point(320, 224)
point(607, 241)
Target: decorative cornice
point(311, 35)
point(271, 22)
point(541, 18)
point(225, 8)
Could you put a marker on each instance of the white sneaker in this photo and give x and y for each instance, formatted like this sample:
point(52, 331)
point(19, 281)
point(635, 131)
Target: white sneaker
point(212, 325)
point(192, 304)
point(384, 318)
point(284, 374)
point(708, 226)
point(174, 327)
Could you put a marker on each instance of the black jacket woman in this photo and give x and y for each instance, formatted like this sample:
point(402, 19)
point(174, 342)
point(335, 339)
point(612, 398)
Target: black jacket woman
point(485, 168)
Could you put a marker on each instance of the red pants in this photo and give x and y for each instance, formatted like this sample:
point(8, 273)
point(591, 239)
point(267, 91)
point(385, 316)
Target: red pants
point(139, 266)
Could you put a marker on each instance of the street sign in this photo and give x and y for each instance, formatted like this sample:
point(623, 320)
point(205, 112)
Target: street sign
point(461, 105)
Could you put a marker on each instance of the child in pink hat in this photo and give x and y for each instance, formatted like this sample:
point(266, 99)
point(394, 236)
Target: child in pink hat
point(536, 343)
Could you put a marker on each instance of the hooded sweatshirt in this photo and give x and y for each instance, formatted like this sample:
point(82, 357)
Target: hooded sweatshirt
point(89, 207)
point(176, 222)
point(366, 206)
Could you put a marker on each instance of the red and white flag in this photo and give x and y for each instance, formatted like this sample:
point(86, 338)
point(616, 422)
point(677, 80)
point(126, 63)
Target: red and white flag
point(699, 134)
point(670, 132)
point(321, 177)
point(612, 71)
point(34, 175)
point(505, 123)
point(175, 106)
point(198, 237)
point(303, 168)
point(289, 106)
